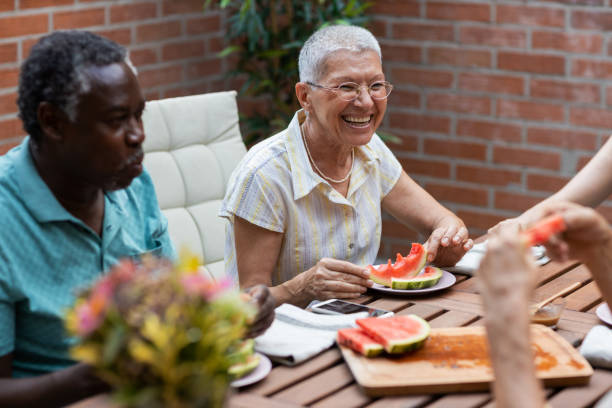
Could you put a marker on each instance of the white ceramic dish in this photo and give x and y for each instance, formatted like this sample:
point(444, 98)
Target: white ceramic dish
point(603, 312)
point(446, 281)
point(259, 373)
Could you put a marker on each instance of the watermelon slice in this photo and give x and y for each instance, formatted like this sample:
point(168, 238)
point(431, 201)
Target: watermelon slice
point(430, 276)
point(397, 334)
point(543, 230)
point(359, 341)
point(403, 268)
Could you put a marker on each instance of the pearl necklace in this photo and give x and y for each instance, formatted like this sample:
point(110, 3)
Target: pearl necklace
point(333, 180)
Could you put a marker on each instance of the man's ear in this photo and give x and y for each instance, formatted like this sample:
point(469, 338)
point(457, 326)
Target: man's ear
point(302, 90)
point(51, 120)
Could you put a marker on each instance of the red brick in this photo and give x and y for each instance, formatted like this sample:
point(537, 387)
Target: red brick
point(461, 195)
point(600, 118)
point(27, 4)
point(421, 122)
point(578, 2)
point(502, 84)
point(567, 91)
point(609, 95)
point(408, 8)
point(158, 31)
point(132, 12)
point(23, 25)
point(459, 57)
point(122, 36)
point(423, 32)
point(408, 142)
point(27, 44)
point(568, 42)
point(531, 16)
point(378, 27)
point(458, 11)
point(160, 76)
point(401, 52)
point(515, 201)
point(201, 25)
point(7, 5)
point(392, 228)
point(494, 131)
point(487, 175)
point(530, 110)
point(582, 161)
point(541, 182)
point(422, 77)
point(11, 128)
point(592, 20)
point(8, 52)
point(568, 139)
point(9, 78)
point(459, 103)
point(464, 150)
point(143, 56)
point(78, 19)
point(182, 6)
point(405, 98)
point(8, 103)
point(204, 68)
point(152, 95)
point(597, 69)
point(183, 50)
point(479, 219)
point(214, 45)
point(526, 157)
point(493, 36)
point(6, 146)
point(439, 169)
point(534, 63)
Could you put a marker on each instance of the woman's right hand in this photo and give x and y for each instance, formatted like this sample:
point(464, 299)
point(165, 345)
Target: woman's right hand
point(330, 279)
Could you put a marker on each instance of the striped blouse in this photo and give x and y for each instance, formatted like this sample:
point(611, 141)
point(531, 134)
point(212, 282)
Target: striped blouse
point(274, 187)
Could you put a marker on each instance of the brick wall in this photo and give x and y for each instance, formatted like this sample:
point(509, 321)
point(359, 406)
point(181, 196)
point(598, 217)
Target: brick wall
point(498, 103)
point(171, 42)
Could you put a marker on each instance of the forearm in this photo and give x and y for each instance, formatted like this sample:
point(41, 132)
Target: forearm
point(515, 383)
point(600, 265)
point(56, 389)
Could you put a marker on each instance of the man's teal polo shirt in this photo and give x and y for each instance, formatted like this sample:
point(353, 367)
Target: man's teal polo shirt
point(46, 255)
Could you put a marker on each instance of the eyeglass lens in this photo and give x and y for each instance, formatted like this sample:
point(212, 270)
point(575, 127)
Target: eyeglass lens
point(378, 90)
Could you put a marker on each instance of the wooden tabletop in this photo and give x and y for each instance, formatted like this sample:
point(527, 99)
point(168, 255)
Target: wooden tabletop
point(325, 380)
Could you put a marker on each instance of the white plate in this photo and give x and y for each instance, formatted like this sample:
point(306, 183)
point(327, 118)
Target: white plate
point(446, 281)
point(603, 312)
point(259, 373)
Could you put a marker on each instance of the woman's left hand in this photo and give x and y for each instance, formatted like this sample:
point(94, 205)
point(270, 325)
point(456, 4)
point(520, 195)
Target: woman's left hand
point(448, 242)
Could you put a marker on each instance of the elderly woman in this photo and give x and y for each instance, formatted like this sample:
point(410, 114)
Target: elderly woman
point(305, 205)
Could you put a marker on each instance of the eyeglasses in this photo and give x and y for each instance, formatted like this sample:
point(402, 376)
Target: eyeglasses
point(349, 91)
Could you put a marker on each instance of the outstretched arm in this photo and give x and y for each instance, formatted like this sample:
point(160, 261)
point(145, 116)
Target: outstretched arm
point(413, 206)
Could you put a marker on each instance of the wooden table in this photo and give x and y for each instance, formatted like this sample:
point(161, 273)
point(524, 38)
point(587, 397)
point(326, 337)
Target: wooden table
point(325, 381)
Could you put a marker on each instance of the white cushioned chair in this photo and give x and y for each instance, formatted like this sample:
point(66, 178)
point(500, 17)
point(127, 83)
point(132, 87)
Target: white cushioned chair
point(192, 145)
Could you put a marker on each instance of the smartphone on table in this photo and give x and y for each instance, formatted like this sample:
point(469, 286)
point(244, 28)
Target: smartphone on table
point(337, 306)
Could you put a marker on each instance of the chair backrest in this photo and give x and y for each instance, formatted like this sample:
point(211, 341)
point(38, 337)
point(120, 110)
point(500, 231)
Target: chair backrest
point(192, 145)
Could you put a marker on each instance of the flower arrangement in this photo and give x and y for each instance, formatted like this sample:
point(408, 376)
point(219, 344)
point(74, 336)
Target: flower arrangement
point(160, 334)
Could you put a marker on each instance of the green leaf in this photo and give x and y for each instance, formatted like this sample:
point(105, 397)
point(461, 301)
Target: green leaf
point(228, 50)
point(388, 137)
point(113, 345)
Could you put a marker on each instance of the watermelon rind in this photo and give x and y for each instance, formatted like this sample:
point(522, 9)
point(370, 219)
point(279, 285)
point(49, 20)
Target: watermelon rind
point(242, 351)
point(417, 282)
point(398, 346)
point(348, 339)
point(239, 370)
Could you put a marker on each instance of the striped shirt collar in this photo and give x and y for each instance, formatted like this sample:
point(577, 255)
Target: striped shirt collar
point(303, 177)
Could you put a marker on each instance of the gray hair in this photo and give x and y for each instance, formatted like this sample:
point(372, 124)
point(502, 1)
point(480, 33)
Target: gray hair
point(329, 39)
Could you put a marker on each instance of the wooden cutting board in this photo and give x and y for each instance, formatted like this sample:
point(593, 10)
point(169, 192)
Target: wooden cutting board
point(457, 360)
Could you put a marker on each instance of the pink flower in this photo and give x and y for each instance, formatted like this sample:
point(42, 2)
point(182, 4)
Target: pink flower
point(87, 319)
point(199, 284)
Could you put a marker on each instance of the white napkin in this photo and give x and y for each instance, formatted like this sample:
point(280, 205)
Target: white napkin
point(296, 334)
point(597, 347)
point(471, 260)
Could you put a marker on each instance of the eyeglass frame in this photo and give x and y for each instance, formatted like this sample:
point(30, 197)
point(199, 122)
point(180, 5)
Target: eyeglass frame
point(336, 89)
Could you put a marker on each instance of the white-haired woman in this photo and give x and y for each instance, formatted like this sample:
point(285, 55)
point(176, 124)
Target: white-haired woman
point(305, 205)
